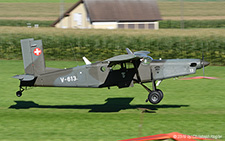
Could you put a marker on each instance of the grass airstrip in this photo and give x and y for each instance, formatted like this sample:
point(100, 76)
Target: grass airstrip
point(193, 107)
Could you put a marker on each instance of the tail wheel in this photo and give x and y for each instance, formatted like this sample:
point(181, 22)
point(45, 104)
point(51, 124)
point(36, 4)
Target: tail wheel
point(19, 93)
point(155, 97)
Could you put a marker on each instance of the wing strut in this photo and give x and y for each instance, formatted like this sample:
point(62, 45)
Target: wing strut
point(138, 80)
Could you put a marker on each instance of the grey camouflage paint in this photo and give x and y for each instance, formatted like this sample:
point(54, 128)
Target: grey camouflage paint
point(101, 74)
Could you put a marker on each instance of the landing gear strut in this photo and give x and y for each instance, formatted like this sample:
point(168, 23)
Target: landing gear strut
point(155, 95)
point(19, 93)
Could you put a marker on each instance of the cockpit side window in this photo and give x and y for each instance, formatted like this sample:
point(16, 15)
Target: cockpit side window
point(116, 67)
point(124, 65)
point(129, 65)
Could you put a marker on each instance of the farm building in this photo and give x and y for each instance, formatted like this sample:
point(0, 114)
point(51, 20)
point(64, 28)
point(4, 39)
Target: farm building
point(111, 14)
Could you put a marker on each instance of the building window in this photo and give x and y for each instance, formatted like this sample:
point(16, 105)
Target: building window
point(131, 26)
point(78, 18)
point(121, 26)
point(151, 26)
point(141, 26)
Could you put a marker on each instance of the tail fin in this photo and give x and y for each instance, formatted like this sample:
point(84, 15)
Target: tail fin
point(33, 56)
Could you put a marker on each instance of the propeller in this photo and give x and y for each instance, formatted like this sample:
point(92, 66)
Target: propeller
point(204, 63)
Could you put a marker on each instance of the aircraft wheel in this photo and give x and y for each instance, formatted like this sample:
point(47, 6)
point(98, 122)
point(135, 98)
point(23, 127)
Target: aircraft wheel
point(19, 93)
point(154, 97)
point(161, 93)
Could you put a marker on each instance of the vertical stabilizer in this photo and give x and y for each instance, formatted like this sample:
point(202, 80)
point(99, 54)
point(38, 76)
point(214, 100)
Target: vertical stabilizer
point(33, 56)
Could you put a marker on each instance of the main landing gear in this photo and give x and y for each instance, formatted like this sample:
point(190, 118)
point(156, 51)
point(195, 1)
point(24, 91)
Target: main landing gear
point(19, 93)
point(155, 95)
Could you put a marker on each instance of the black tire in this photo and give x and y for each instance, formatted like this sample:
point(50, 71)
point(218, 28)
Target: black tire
point(154, 97)
point(161, 94)
point(19, 93)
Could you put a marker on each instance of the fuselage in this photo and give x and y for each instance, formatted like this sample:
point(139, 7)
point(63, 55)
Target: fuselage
point(122, 74)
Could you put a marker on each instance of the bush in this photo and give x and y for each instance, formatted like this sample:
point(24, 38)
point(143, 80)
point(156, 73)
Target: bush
point(192, 24)
point(24, 23)
point(99, 46)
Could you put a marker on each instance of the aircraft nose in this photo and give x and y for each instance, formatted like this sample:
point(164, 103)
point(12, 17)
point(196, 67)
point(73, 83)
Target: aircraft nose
point(202, 63)
point(205, 63)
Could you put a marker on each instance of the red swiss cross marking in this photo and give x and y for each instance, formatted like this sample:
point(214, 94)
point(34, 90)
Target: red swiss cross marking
point(37, 51)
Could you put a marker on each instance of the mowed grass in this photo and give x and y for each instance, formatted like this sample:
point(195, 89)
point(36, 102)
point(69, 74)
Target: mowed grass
point(194, 107)
point(50, 10)
point(24, 31)
point(192, 10)
point(34, 1)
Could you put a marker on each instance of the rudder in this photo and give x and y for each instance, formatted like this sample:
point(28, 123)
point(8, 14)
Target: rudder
point(33, 56)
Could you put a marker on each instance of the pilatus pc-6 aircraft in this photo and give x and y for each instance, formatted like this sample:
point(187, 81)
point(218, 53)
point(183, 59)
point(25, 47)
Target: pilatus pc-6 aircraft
point(122, 71)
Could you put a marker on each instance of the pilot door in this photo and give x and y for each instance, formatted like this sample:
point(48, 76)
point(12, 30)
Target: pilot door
point(121, 75)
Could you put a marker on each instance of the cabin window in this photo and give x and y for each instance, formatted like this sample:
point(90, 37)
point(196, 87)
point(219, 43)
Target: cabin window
point(116, 67)
point(125, 65)
point(103, 69)
point(129, 65)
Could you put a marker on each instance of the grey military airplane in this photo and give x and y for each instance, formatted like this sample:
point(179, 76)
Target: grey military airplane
point(122, 71)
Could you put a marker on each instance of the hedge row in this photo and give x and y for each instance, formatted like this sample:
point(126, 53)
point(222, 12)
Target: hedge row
point(162, 24)
point(24, 23)
point(99, 47)
point(192, 24)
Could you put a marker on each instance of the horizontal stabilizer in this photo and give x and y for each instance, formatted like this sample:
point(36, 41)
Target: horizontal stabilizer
point(24, 77)
point(87, 62)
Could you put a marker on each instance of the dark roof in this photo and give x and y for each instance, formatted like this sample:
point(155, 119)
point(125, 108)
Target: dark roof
point(122, 10)
point(119, 10)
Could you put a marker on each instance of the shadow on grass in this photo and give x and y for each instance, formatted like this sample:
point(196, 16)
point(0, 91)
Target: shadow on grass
point(111, 105)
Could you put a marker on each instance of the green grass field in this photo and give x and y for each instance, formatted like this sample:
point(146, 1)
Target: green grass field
point(193, 107)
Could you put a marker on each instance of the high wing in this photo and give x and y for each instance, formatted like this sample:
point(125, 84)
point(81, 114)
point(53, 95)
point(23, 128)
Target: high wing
point(122, 58)
point(141, 54)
